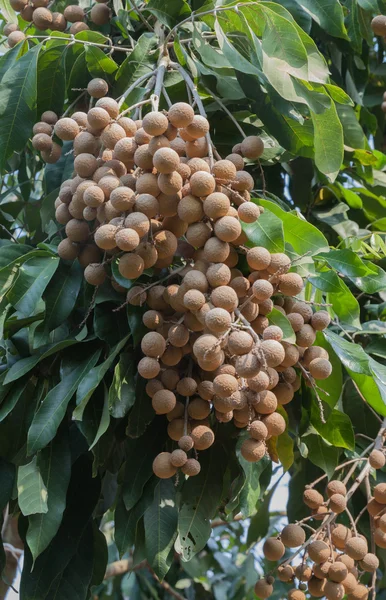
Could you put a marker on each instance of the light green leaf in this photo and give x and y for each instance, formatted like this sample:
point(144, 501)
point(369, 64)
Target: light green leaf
point(345, 306)
point(267, 231)
point(277, 318)
point(169, 13)
point(303, 237)
point(138, 63)
point(351, 355)
point(161, 520)
point(122, 390)
point(54, 463)
point(285, 450)
point(330, 389)
point(98, 63)
point(32, 493)
point(346, 262)
point(18, 104)
point(7, 11)
point(328, 14)
point(337, 430)
point(328, 141)
point(51, 412)
point(251, 490)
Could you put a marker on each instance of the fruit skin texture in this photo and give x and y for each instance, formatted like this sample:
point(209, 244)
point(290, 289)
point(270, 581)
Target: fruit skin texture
point(293, 536)
point(356, 548)
point(377, 459)
point(273, 549)
point(263, 589)
point(163, 467)
point(252, 147)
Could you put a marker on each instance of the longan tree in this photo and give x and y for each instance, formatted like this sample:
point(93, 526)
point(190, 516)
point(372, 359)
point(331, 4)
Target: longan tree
point(193, 230)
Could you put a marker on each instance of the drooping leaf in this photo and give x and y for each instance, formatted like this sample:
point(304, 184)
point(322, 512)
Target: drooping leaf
point(51, 412)
point(61, 294)
point(51, 81)
point(33, 278)
point(321, 454)
point(137, 64)
point(98, 63)
point(171, 13)
point(161, 520)
point(32, 492)
point(328, 140)
point(54, 463)
point(328, 15)
point(7, 480)
point(18, 104)
point(267, 231)
point(122, 390)
point(277, 318)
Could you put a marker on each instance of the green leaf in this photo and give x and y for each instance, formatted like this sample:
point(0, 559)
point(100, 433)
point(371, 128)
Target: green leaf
point(328, 141)
point(161, 520)
point(285, 450)
point(346, 262)
point(7, 11)
point(345, 306)
point(140, 455)
point(98, 63)
point(137, 64)
point(251, 490)
point(122, 390)
point(32, 279)
point(303, 237)
point(51, 412)
point(362, 418)
point(328, 14)
point(351, 355)
point(338, 95)
point(259, 524)
point(18, 104)
point(330, 389)
point(267, 231)
point(327, 281)
point(321, 454)
point(277, 318)
point(103, 423)
point(372, 283)
point(7, 481)
point(32, 493)
point(51, 84)
point(22, 387)
point(54, 463)
point(61, 294)
point(22, 366)
point(169, 13)
point(91, 381)
point(337, 430)
point(199, 501)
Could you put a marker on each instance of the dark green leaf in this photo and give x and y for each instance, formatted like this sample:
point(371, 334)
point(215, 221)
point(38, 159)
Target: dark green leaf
point(55, 468)
point(321, 454)
point(51, 412)
point(137, 64)
point(346, 262)
point(7, 481)
point(328, 14)
point(18, 104)
point(61, 294)
point(161, 520)
point(171, 13)
point(277, 318)
point(98, 63)
point(51, 82)
point(33, 278)
point(337, 430)
point(351, 355)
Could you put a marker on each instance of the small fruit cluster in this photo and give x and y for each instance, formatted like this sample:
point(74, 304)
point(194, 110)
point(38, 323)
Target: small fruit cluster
point(38, 13)
point(151, 190)
point(335, 558)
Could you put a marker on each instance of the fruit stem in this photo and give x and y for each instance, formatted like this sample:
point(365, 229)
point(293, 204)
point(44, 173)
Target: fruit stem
point(136, 83)
point(140, 15)
point(73, 104)
point(314, 387)
point(73, 40)
point(226, 110)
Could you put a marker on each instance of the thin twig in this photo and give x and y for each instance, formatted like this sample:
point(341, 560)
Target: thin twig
point(136, 83)
point(226, 110)
point(73, 40)
point(140, 15)
point(365, 401)
point(73, 104)
point(314, 387)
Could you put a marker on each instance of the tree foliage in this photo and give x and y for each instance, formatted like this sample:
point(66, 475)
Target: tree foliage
point(77, 432)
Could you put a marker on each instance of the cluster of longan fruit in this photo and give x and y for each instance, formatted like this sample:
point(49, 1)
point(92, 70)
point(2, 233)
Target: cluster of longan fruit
point(144, 191)
point(38, 13)
point(334, 558)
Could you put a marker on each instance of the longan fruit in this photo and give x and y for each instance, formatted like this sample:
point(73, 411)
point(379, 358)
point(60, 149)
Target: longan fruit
point(74, 13)
point(293, 536)
point(258, 431)
point(252, 147)
point(318, 551)
point(162, 464)
point(259, 382)
point(190, 209)
point(382, 523)
point(237, 160)
point(303, 572)
point(155, 123)
point(95, 274)
point(338, 503)
point(377, 459)
point(42, 142)
point(273, 352)
point(285, 573)
point(67, 250)
point(224, 170)
point(263, 589)
point(98, 118)
point(290, 284)
point(333, 590)
point(178, 335)
point(252, 450)
point(218, 274)
point(374, 507)
point(66, 128)
point(248, 212)
point(195, 280)
point(224, 297)
point(148, 368)
point(199, 409)
point(379, 538)
point(105, 236)
point(77, 27)
point(240, 342)
point(378, 25)
point(131, 266)
point(339, 536)
point(312, 353)
point(181, 114)
point(248, 365)
point(262, 290)
point(17, 5)
point(41, 126)
point(127, 239)
point(15, 37)
point(320, 368)
point(306, 336)
point(274, 423)
point(379, 490)
point(243, 182)
point(160, 141)
point(77, 231)
point(316, 587)
point(136, 296)
point(198, 127)
point(320, 320)
point(27, 13)
point(356, 548)
point(165, 243)
point(166, 161)
point(191, 468)
point(42, 18)
point(153, 344)
point(172, 356)
point(178, 458)
point(205, 390)
point(225, 385)
point(258, 258)
point(203, 437)
point(273, 549)
point(296, 594)
point(85, 164)
point(112, 134)
point(227, 229)
point(170, 378)
point(52, 156)
point(202, 184)
point(312, 498)
point(336, 487)
point(163, 402)
point(100, 14)
point(370, 563)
